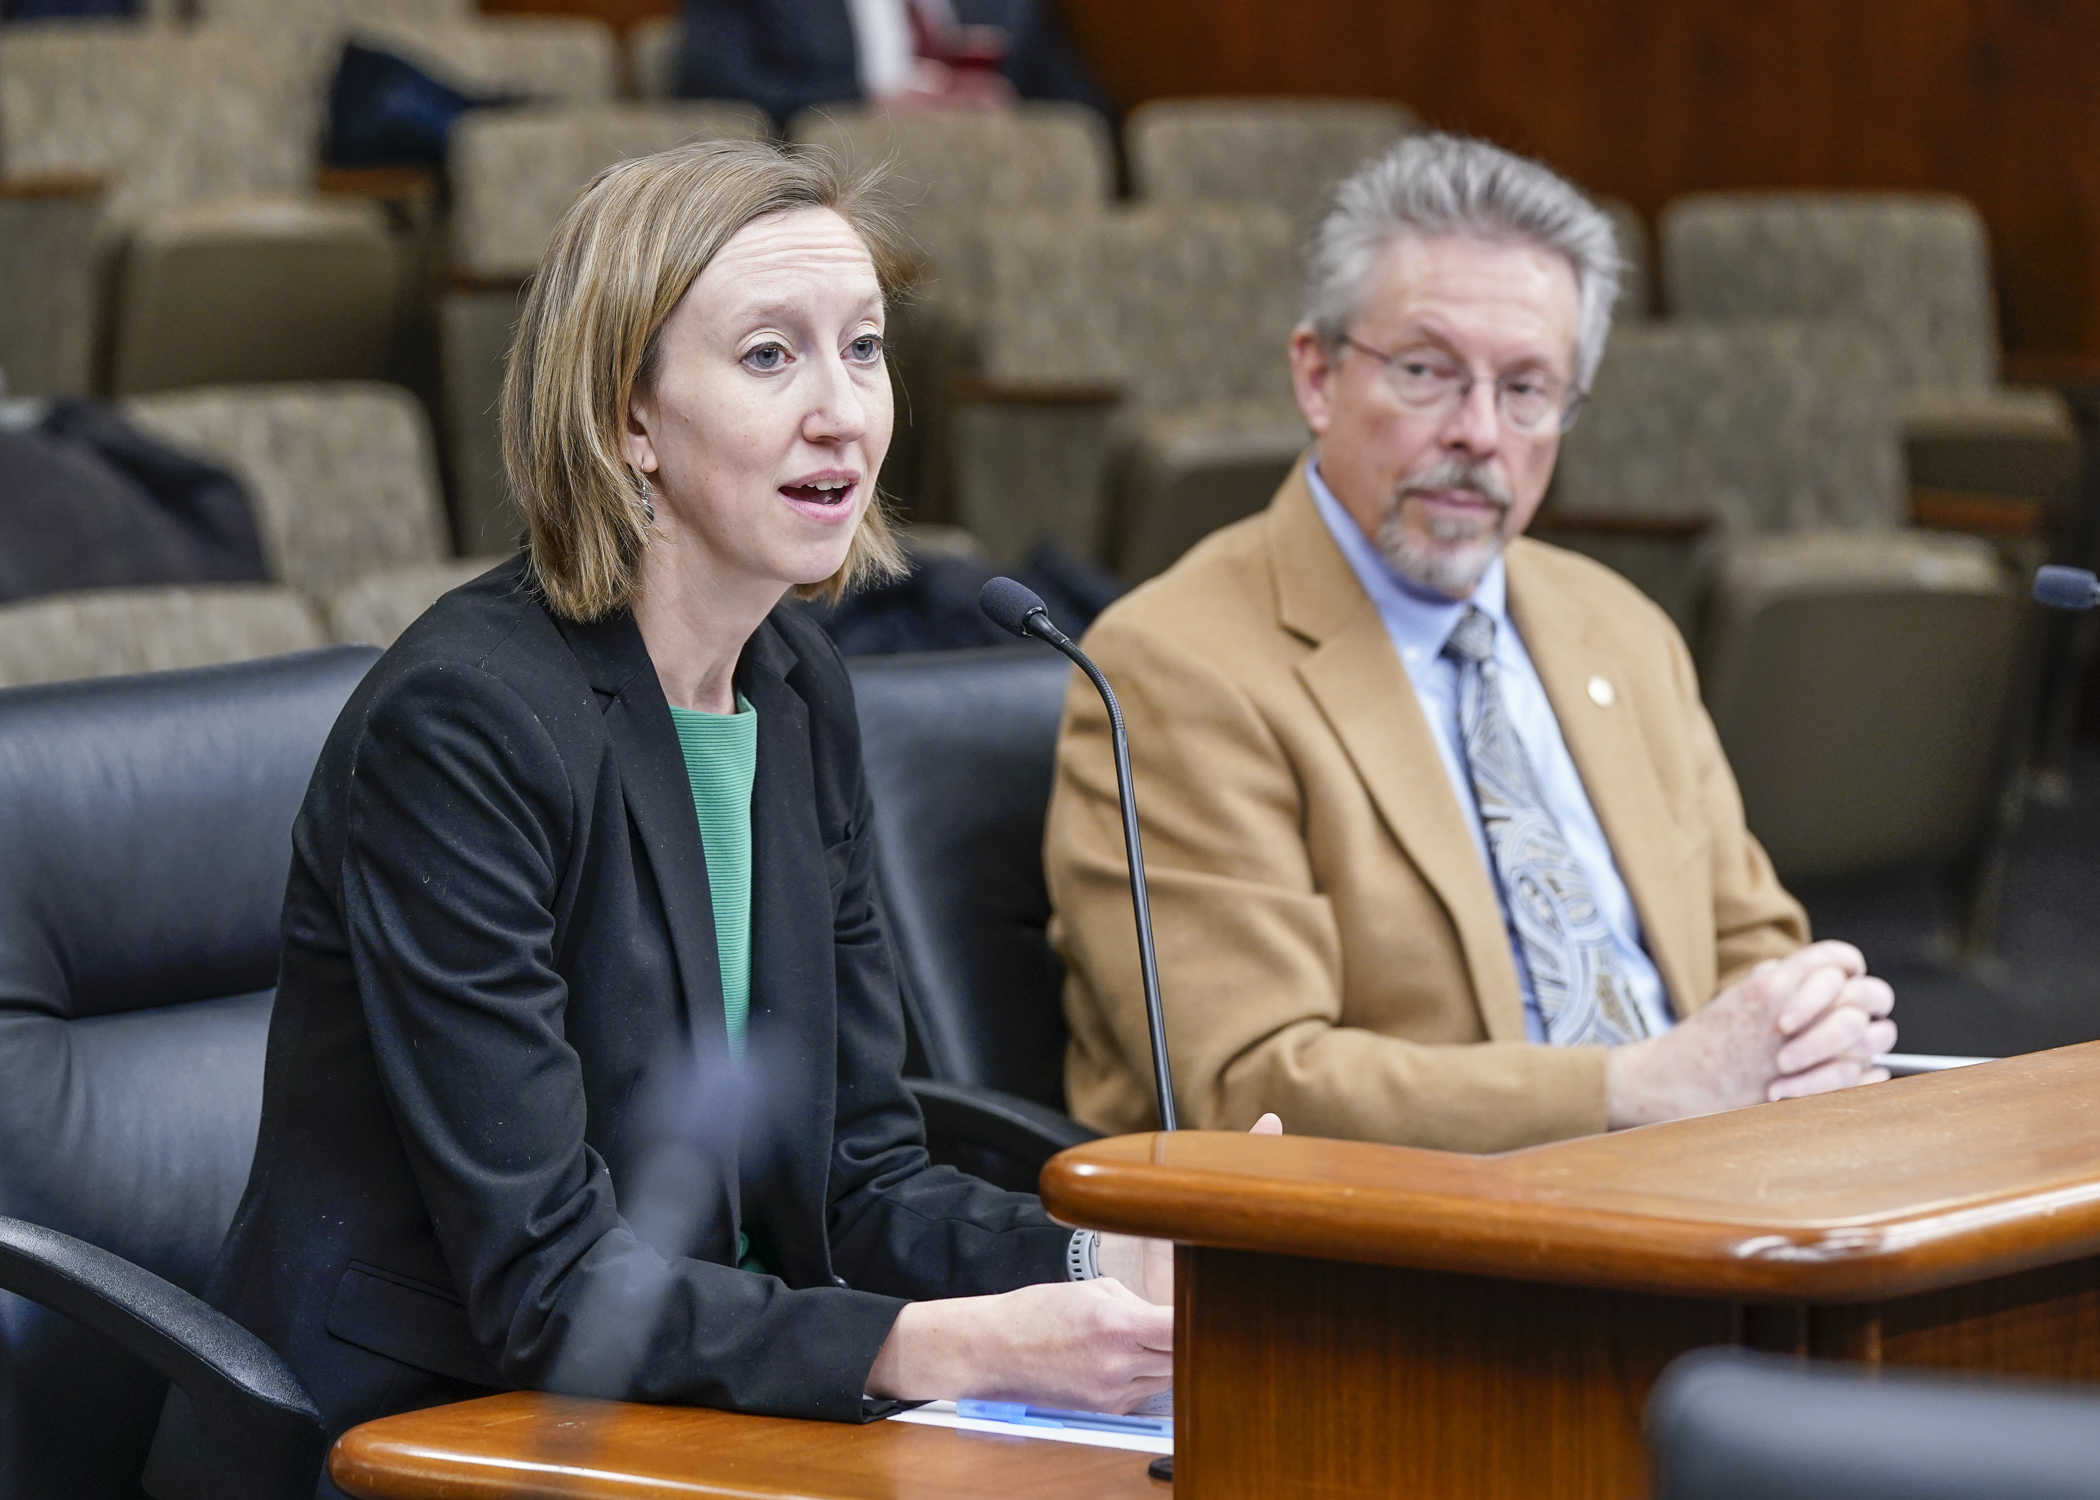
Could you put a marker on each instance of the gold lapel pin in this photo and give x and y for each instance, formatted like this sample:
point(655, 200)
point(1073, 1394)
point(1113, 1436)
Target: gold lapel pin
point(1601, 693)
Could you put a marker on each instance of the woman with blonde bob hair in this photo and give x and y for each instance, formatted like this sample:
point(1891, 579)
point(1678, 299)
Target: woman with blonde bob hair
point(584, 1072)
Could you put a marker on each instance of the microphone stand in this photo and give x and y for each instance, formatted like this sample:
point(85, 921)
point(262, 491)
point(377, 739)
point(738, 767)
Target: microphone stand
point(1148, 966)
point(1018, 610)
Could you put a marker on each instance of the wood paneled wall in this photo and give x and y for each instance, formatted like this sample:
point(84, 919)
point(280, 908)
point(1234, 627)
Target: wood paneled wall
point(1998, 100)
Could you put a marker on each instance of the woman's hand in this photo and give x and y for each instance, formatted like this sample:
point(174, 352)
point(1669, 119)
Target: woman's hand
point(1147, 1266)
point(1102, 1345)
point(1089, 1345)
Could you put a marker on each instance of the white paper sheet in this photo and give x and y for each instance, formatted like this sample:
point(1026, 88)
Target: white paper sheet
point(943, 1414)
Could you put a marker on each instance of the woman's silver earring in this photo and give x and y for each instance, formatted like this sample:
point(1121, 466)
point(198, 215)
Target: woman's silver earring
point(647, 496)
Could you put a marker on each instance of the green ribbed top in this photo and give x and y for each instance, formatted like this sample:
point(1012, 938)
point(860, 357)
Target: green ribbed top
point(721, 763)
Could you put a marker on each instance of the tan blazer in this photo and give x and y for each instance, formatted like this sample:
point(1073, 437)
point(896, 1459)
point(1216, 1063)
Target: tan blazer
point(1331, 946)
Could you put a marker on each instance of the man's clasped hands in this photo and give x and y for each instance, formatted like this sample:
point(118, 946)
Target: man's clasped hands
point(1808, 1023)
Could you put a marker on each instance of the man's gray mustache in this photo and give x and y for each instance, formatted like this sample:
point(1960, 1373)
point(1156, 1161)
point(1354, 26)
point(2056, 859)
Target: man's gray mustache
point(1463, 477)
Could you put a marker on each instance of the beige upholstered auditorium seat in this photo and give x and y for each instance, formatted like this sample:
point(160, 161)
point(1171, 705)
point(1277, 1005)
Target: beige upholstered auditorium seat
point(374, 611)
point(329, 14)
point(1774, 426)
point(1135, 394)
point(196, 129)
point(474, 329)
point(539, 57)
point(652, 56)
point(356, 11)
point(342, 476)
point(1637, 261)
point(1289, 152)
point(1695, 429)
point(103, 632)
point(1190, 472)
point(182, 119)
point(255, 289)
point(1749, 476)
point(1282, 152)
point(514, 173)
point(1862, 685)
point(49, 228)
point(953, 172)
point(1915, 269)
point(572, 59)
point(953, 175)
point(171, 115)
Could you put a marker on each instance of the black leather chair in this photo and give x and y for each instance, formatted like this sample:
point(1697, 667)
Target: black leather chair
point(960, 750)
point(1725, 1424)
point(144, 842)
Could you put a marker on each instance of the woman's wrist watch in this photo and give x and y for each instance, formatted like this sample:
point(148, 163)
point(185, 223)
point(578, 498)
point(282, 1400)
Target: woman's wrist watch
point(1083, 1256)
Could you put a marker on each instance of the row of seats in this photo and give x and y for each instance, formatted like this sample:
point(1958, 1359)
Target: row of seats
point(109, 632)
point(343, 480)
point(1009, 294)
point(1911, 270)
point(161, 218)
point(1110, 374)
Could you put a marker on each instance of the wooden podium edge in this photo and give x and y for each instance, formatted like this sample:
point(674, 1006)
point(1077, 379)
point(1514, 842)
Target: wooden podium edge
point(1591, 1212)
point(1569, 1246)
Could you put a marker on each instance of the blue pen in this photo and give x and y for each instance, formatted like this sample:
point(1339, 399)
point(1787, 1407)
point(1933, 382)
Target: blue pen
point(1015, 1414)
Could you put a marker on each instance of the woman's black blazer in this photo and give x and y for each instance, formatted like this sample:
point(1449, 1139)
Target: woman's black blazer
point(502, 1143)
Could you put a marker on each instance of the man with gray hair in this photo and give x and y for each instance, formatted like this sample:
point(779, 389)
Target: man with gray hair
point(1443, 848)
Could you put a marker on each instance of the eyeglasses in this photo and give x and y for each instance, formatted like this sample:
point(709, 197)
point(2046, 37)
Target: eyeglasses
point(1434, 384)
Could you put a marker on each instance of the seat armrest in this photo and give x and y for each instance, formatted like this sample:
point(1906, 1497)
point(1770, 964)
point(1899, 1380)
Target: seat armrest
point(1020, 1128)
point(253, 1429)
point(1191, 471)
point(404, 183)
point(54, 185)
point(1979, 513)
point(1031, 461)
point(1657, 552)
point(2005, 441)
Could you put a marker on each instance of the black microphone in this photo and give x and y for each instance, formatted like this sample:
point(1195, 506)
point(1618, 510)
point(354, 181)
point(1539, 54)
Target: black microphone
point(1015, 608)
point(2066, 588)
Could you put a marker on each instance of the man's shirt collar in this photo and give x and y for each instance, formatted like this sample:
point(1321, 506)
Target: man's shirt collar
point(1419, 620)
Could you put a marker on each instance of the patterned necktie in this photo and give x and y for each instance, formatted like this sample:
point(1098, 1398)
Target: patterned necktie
point(1561, 933)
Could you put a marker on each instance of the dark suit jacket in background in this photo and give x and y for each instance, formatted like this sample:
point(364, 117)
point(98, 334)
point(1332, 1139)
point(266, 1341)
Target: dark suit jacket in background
point(87, 501)
point(787, 55)
point(502, 1144)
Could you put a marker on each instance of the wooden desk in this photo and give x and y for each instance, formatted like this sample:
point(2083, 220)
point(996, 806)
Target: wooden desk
point(1368, 1320)
point(524, 1446)
point(1371, 1320)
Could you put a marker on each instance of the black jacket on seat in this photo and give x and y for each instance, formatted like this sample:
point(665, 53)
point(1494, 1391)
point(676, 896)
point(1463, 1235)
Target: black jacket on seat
point(503, 1144)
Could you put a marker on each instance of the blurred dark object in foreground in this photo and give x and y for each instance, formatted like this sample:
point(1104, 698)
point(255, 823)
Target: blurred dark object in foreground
point(88, 501)
point(1732, 1425)
point(934, 606)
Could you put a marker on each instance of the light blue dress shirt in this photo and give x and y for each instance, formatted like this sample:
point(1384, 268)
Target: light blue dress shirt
point(1419, 622)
